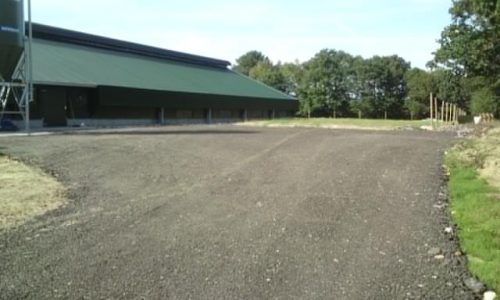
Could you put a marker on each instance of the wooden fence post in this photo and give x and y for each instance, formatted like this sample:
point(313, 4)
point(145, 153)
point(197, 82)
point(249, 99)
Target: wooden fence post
point(446, 114)
point(430, 111)
point(453, 107)
point(436, 111)
point(442, 112)
point(451, 113)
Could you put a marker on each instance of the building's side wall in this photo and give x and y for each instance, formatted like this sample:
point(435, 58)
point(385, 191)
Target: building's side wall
point(109, 106)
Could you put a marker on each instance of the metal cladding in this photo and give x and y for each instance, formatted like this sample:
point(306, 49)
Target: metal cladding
point(11, 36)
point(83, 39)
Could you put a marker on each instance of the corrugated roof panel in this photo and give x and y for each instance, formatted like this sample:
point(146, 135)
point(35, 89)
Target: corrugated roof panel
point(61, 35)
point(68, 64)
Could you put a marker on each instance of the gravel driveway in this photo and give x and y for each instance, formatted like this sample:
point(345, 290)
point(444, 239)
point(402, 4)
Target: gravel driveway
point(226, 212)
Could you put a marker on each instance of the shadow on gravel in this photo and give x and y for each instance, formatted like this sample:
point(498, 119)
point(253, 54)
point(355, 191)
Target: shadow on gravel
point(163, 132)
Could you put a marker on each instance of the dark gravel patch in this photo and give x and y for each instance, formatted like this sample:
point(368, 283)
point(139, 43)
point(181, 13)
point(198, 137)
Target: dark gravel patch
point(226, 212)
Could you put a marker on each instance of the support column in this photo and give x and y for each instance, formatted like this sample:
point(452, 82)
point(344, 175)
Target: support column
point(162, 116)
point(30, 73)
point(245, 115)
point(273, 114)
point(209, 115)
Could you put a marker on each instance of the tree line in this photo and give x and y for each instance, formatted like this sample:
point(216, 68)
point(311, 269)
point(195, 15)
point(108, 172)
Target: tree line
point(465, 71)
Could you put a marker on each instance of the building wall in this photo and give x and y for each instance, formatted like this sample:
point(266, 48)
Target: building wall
point(117, 107)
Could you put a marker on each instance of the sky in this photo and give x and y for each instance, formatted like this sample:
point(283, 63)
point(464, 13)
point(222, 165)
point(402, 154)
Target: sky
point(285, 31)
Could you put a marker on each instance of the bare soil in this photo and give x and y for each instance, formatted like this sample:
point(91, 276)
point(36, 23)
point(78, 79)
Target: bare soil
point(225, 212)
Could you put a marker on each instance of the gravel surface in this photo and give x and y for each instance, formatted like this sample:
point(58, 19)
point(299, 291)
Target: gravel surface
point(225, 212)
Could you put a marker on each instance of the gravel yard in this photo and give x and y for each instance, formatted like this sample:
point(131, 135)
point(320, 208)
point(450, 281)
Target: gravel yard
point(228, 212)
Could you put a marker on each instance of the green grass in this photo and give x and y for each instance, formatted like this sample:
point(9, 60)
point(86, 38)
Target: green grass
point(475, 206)
point(343, 123)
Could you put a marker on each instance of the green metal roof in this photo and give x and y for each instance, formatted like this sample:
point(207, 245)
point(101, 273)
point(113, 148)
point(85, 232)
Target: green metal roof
point(58, 63)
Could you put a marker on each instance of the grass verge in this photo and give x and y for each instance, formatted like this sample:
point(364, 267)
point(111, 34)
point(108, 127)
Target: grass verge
point(349, 123)
point(26, 192)
point(475, 203)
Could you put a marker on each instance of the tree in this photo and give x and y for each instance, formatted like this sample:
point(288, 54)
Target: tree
point(362, 107)
point(451, 87)
point(293, 74)
point(310, 100)
point(470, 50)
point(415, 108)
point(248, 61)
point(383, 84)
point(470, 45)
point(420, 84)
point(269, 74)
point(325, 80)
point(484, 101)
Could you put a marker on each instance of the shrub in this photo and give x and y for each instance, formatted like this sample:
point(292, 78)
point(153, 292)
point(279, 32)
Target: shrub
point(484, 101)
